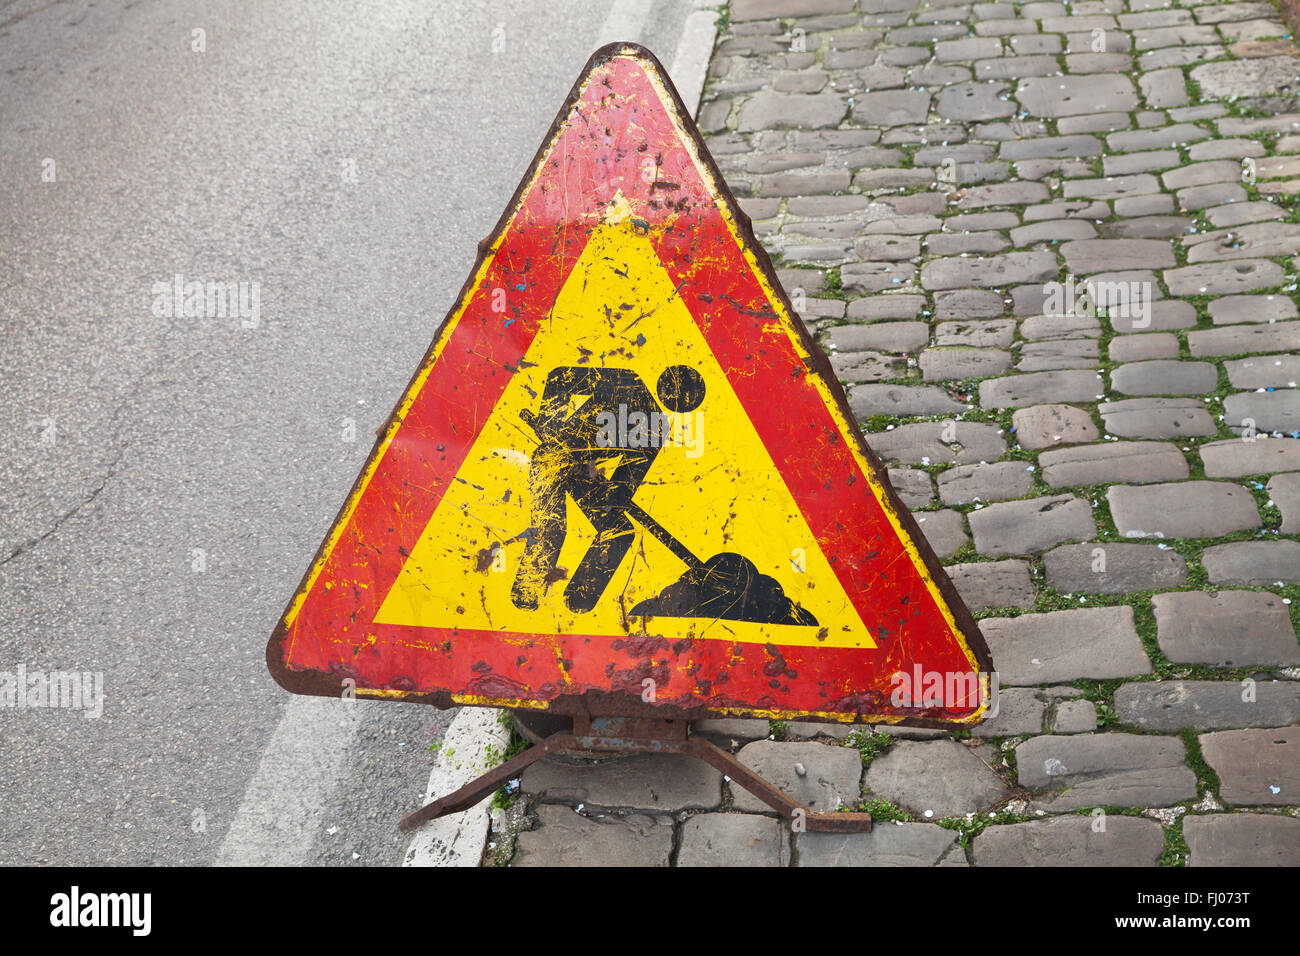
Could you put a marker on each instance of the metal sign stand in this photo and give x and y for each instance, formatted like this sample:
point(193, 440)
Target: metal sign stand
point(626, 735)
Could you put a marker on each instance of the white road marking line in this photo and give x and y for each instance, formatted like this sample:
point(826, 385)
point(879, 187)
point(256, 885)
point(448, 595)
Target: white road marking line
point(279, 819)
point(624, 22)
point(691, 62)
point(458, 839)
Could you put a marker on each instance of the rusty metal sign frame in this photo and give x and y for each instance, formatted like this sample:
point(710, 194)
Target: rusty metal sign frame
point(629, 735)
point(621, 704)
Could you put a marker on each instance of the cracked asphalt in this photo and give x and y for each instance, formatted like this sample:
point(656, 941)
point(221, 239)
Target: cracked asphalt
point(165, 479)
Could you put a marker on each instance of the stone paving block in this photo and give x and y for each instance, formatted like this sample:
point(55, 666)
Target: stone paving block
point(1165, 378)
point(1087, 256)
point(888, 844)
point(1234, 11)
point(976, 333)
point(566, 838)
point(804, 81)
point(1148, 227)
point(1032, 525)
point(1070, 385)
point(1047, 356)
point(974, 101)
point(1163, 88)
point(1068, 209)
point(955, 364)
point(1125, 164)
point(1223, 278)
point(1071, 841)
point(1036, 44)
point(1113, 568)
point(1114, 187)
point(1234, 214)
point(1215, 194)
point(742, 10)
point(1189, 509)
point(1252, 412)
point(877, 179)
point(1094, 123)
point(993, 584)
point(1060, 327)
point(1075, 717)
point(1100, 63)
point(969, 221)
point(810, 730)
point(881, 336)
point(1137, 348)
point(1110, 769)
point(912, 486)
point(989, 481)
point(1284, 490)
point(1240, 339)
point(1256, 240)
point(1225, 628)
point(1006, 194)
point(1019, 712)
point(1235, 458)
point(967, 303)
point(867, 366)
point(1167, 137)
point(1045, 426)
point(968, 48)
point(1009, 269)
point(971, 243)
point(1052, 229)
point(724, 730)
point(733, 839)
point(1169, 706)
point(1202, 174)
point(663, 782)
point(924, 443)
point(1156, 418)
point(1257, 563)
point(831, 778)
point(1064, 646)
point(944, 777)
point(1242, 839)
point(1053, 96)
point(1235, 309)
point(876, 276)
point(1134, 462)
point(1145, 206)
point(944, 531)
point(1051, 147)
point(805, 182)
point(897, 306)
point(1247, 77)
point(887, 247)
point(891, 107)
point(1255, 767)
point(792, 111)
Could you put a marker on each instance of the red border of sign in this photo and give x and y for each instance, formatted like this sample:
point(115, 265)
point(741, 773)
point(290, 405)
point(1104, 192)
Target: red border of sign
point(451, 357)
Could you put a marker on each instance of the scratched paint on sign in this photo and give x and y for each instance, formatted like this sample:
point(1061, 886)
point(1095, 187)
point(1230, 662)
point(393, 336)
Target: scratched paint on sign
point(624, 463)
point(710, 483)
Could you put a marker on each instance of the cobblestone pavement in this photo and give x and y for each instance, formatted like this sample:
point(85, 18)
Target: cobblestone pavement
point(1116, 493)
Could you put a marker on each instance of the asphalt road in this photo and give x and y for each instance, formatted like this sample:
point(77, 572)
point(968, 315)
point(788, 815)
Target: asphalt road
point(165, 479)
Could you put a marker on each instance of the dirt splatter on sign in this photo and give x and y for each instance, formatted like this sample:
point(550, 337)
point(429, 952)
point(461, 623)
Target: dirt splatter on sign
point(624, 480)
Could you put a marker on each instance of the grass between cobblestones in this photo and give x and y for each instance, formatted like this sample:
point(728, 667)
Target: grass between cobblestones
point(828, 281)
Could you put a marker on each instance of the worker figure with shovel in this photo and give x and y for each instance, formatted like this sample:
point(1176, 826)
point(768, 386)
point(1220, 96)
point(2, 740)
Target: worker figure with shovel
point(601, 468)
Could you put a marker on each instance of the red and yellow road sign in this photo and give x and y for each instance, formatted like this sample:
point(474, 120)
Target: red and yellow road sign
point(624, 479)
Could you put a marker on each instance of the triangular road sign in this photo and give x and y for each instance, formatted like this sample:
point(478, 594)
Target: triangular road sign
point(624, 479)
